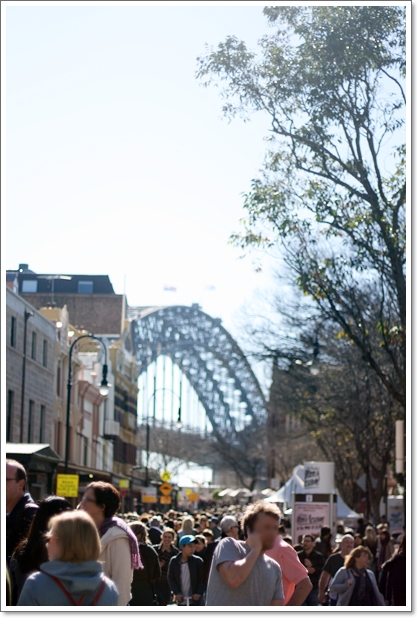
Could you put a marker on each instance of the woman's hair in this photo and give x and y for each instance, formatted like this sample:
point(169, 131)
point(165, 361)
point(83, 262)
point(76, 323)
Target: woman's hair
point(402, 546)
point(208, 532)
point(187, 525)
point(201, 538)
point(370, 534)
point(8, 588)
point(106, 495)
point(31, 552)
point(350, 560)
point(77, 537)
point(384, 537)
point(170, 531)
point(140, 531)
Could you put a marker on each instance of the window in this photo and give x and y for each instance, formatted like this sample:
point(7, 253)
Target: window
point(29, 286)
point(13, 332)
point(86, 451)
point(59, 380)
point(33, 353)
point(10, 402)
point(85, 287)
point(45, 353)
point(30, 419)
point(41, 424)
point(58, 437)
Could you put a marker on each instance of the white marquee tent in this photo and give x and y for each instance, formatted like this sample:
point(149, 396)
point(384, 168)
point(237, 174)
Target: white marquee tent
point(296, 485)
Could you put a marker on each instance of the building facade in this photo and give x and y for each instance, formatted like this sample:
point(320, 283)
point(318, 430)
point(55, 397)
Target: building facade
point(103, 436)
point(30, 371)
point(30, 379)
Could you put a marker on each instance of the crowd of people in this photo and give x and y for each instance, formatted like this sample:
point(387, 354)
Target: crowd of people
point(231, 556)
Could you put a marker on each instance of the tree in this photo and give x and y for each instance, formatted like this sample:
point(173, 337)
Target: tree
point(319, 379)
point(244, 451)
point(331, 79)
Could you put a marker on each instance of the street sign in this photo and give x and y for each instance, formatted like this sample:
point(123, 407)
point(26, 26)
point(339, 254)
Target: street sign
point(67, 485)
point(193, 497)
point(165, 499)
point(124, 483)
point(166, 489)
point(188, 492)
point(123, 492)
point(165, 476)
point(149, 494)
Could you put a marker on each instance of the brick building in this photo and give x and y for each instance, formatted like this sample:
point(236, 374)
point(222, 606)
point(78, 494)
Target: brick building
point(90, 299)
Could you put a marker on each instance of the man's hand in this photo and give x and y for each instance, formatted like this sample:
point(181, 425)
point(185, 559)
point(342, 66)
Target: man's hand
point(322, 598)
point(254, 542)
point(179, 598)
point(196, 597)
point(308, 563)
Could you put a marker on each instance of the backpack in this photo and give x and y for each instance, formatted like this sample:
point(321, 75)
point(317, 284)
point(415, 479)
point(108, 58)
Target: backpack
point(81, 599)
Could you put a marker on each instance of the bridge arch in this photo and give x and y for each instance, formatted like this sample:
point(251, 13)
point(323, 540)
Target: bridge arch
point(210, 358)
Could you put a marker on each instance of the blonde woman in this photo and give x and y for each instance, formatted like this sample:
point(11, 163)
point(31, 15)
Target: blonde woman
point(370, 541)
point(354, 583)
point(73, 575)
point(186, 527)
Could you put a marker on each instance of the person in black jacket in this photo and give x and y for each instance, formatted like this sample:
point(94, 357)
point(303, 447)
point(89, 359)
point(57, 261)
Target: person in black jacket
point(31, 552)
point(144, 580)
point(393, 579)
point(165, 551)
point(20, 508)
point(186, 573)
point(154, 531)
point(314, 561)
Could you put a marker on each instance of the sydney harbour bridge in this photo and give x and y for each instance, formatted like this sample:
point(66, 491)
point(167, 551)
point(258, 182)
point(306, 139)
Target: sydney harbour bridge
point(193, 376)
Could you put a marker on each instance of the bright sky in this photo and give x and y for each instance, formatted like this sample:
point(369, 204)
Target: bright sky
point(118, 161)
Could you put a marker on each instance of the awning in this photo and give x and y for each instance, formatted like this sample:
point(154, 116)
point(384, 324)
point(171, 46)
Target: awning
point(233, 493)
point(41, 451)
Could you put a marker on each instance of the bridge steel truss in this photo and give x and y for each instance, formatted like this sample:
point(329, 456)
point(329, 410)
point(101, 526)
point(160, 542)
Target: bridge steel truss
point(200, 346)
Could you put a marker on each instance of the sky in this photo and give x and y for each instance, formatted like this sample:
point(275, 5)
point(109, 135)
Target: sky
point(119, 162)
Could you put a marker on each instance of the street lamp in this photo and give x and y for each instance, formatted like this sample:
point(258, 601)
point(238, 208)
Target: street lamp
point(103, 389)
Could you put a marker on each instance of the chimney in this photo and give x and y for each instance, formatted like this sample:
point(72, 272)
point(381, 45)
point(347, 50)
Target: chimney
point(23, 268)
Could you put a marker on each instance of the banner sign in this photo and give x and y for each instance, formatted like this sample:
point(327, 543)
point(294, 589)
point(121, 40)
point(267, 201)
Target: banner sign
point(149, 494)
point(67, 485)
point(319, 477)
point(309, 517)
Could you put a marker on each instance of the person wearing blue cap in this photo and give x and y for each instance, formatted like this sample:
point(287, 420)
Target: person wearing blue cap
point(186, 573)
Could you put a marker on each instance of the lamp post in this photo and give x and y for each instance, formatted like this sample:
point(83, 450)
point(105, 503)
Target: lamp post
point(27, 315)
point(179, 425)
point(103, 390)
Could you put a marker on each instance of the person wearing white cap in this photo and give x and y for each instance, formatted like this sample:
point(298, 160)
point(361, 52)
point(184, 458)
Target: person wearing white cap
point(230, 527)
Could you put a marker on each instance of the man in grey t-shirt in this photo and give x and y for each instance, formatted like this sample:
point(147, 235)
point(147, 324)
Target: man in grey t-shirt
point(241, 573)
